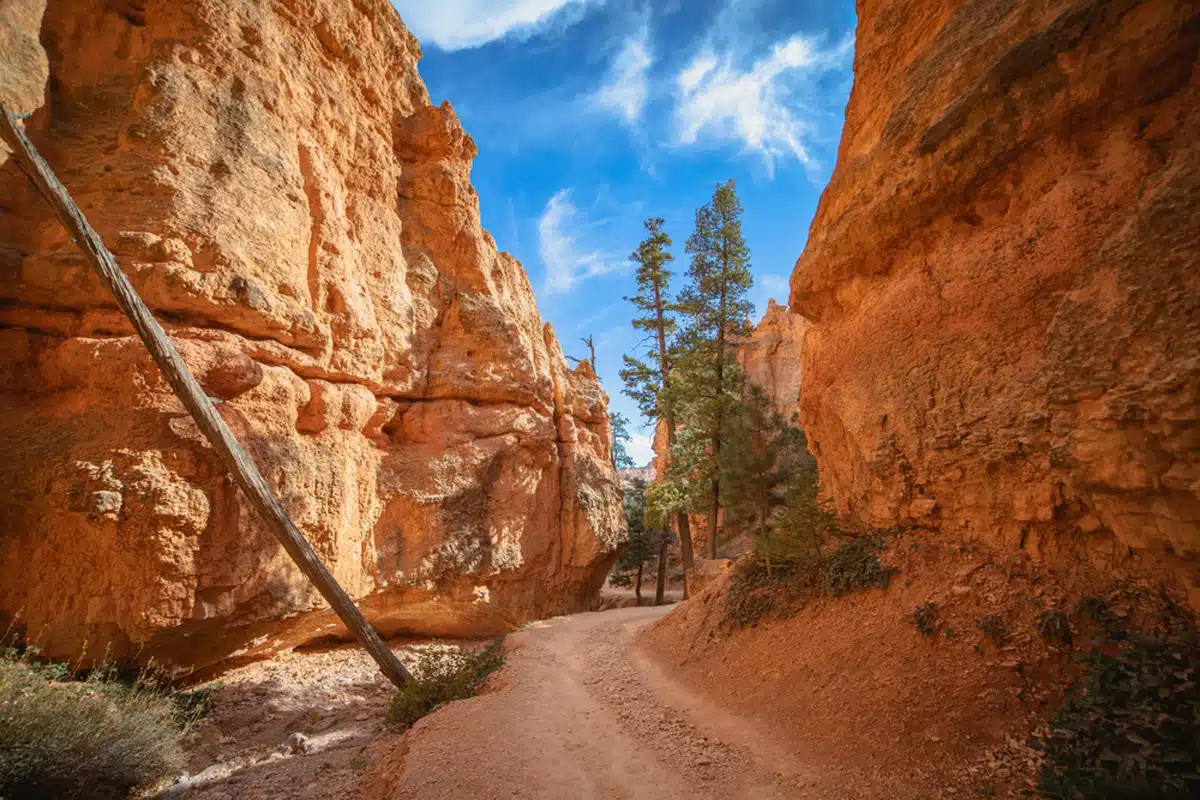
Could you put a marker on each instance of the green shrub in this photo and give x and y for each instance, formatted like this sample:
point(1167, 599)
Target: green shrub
point(748, 598)
point(1131, 729)
point(994, 627)
point(440, 676)
point(925, 618)
point(1054, 626)
point(95, 738)
point(854, 567)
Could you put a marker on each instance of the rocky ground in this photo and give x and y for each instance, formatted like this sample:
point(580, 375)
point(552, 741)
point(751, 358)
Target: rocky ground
point(854, 684)
point(843, 698)
point(303, 725)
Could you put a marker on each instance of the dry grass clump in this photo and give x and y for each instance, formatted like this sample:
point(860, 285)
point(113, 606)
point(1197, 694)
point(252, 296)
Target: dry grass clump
point(95, 737)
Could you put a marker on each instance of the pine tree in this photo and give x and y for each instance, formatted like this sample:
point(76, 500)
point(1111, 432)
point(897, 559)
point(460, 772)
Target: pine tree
point(648, 382)
point(620, 440)
point(714, 310)
point(648, 541)
point(640, 547)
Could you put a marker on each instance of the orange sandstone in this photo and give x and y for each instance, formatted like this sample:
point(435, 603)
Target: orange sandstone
point(1003, 277)
point(279, 188)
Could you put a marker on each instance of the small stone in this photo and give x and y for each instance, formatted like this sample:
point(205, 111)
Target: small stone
point(299, 744)
point(106, 505)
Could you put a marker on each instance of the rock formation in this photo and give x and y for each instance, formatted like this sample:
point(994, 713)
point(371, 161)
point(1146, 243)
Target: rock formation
point(771, 357)
point(1002, 278)
point(280, 190)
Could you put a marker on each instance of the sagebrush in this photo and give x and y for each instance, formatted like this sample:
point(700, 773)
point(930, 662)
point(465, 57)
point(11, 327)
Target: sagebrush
point(443, 675)
point(97, 737)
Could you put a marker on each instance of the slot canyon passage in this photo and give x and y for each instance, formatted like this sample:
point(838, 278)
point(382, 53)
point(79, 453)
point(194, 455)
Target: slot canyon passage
point(955, 481)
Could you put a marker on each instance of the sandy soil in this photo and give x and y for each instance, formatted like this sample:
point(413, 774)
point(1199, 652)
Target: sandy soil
point(576, 712)
point(853, 685)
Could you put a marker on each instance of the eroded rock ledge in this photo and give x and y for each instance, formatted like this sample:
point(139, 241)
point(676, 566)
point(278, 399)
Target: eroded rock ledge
point(281, 191)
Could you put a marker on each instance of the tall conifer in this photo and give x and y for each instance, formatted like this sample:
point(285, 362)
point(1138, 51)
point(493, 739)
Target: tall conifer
point(714, 311)
point(649, 381)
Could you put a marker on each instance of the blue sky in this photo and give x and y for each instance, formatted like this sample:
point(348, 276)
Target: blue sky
point(591, 115)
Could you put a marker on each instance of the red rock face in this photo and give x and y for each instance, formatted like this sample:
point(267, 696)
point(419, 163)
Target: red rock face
point(1003, 277)
point(274, 180)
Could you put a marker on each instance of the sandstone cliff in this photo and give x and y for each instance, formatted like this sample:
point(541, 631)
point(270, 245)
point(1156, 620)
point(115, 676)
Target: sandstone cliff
point(277, 184)
point(1003, 277)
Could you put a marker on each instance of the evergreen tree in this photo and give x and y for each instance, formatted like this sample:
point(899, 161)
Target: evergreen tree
point(641, 546)
point(770, 488)
point(620, 441)
point(649, 540)
point(714, 310)
point(759, 459)
point(648, 381)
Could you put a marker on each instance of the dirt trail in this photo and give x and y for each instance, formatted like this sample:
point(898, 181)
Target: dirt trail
point(578, 713)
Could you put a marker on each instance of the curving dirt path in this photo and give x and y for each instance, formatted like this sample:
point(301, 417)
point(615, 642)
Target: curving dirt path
point(577, 712)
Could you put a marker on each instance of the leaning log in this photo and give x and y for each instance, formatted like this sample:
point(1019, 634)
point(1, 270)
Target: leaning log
point(193, 397)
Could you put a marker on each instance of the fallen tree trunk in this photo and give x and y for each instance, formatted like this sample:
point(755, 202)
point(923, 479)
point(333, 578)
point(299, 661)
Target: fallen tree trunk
point(194, 398)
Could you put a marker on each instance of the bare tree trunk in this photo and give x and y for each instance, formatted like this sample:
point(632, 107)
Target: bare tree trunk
point(715, 508)
point(637, 586)
point(686, 552)
point(662, 571)
point(685, 548)
point(591, 345)
point(194, 399)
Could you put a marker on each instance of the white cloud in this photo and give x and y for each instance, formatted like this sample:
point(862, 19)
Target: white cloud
point(757, 106)
point(626, 87)
point(460, 24)
point(561, 233)
point(640, 448)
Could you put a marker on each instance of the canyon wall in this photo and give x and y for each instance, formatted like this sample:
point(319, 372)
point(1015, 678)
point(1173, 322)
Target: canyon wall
point(1003, 278)
point(280, 190)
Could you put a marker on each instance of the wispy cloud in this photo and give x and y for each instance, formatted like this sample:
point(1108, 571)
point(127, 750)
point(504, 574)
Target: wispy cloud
point(759, 103)
point(460, 24)
point(562, 244)
point(587, 322)
point(627, 85)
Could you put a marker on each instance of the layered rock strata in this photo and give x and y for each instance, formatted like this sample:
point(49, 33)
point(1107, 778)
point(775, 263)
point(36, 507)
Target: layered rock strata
point(281, 191)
